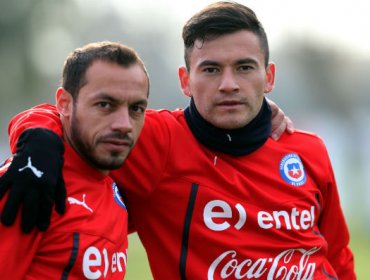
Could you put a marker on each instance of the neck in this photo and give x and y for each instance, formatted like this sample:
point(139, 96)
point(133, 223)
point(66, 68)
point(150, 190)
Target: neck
point(237, 142)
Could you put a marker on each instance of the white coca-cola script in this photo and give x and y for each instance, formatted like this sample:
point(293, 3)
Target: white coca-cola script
point(291, 264)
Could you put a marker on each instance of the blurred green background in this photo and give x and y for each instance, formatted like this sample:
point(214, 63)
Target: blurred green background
point(321, 48)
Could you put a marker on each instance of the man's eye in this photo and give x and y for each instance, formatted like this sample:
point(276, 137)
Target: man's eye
point(210, 70)
point(104, 105)
point(246, 67)
point(137, 109)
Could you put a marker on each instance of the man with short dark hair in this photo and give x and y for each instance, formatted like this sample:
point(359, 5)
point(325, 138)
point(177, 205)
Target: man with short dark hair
point(101, 105)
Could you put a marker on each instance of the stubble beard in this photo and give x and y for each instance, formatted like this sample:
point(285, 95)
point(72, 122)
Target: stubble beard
point(88, 152)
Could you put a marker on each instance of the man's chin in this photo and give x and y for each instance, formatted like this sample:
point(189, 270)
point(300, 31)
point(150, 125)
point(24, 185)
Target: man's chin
point(110, 164)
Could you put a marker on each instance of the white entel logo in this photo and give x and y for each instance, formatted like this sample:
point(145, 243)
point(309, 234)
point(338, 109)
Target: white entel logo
point(35, 171)
point(209, 214)
point(218, 213)
point(97, 263)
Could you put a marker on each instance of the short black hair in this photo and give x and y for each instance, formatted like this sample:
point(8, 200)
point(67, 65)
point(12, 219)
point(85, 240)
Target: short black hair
point(220, 18)
point(78, 61)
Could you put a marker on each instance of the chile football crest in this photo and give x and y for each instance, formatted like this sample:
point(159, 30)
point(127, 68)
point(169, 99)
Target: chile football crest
point(292, 170)
point(117, 196)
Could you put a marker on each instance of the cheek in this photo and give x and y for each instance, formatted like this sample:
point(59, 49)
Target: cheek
point(199, 84)
point(86, 128)
point(138, 126)
point(204, 92)
point(204, 106)
point(260, 84)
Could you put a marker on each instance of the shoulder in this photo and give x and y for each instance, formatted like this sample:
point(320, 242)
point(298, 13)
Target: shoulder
point(302, 138)
point(307, 144)
point(163, 114)
point(162, 121)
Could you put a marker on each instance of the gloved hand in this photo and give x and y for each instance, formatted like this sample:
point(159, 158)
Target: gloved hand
point(34, 179)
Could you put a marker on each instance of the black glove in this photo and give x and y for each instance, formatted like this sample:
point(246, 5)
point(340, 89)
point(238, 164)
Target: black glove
point(35, 180)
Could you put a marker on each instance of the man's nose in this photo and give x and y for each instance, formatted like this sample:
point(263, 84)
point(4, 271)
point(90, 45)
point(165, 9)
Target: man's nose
point(121, 120)
point(228, 83)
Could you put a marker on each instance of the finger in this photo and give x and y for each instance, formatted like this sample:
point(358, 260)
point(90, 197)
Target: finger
point(273, 106)
point(30, 211)
point(278, 131)
point(4, 184)
point(277, 118)
point(289, 125)
point(278, 124)
point(44, 213)
point(11, 207)
point(60, 197)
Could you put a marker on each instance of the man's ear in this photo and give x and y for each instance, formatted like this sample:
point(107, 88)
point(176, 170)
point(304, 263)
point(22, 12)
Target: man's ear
point(184, 80)
point(270, 78)
point(64, 102)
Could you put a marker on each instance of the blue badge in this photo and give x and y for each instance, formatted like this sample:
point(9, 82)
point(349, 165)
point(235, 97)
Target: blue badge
point(292, 170)
point(117, 196)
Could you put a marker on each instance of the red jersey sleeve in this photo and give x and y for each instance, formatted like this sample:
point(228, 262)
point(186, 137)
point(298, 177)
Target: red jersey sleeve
point(332, 223)
point(333, 226)
point(43, 116)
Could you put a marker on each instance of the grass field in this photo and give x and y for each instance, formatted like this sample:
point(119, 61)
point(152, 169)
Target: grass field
point(138, 268)
point(360, 244)
point(137, 264)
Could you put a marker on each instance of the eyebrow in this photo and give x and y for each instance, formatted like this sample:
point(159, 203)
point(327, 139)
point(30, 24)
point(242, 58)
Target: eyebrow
point(107, 97)
point(141, 102)
point(238, 62)
point(247, 61)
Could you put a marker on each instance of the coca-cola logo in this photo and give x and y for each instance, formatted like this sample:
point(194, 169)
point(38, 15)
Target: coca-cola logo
point(291, 264)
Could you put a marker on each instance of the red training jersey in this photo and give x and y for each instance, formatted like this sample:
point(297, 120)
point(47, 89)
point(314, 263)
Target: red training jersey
point(88, 242)
point(201, 214)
